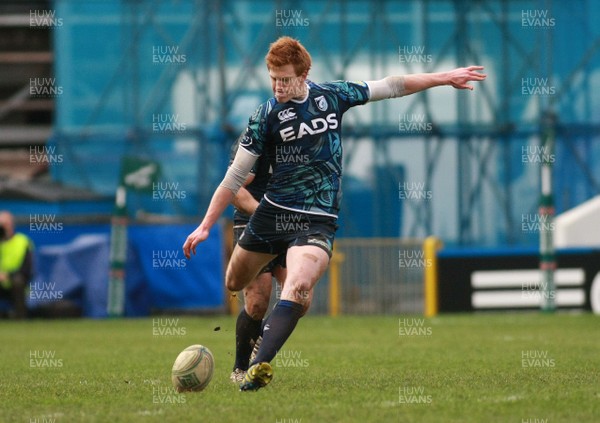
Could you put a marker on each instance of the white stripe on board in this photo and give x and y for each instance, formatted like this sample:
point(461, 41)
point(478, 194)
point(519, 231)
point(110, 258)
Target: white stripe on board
point(524, 277)
point(517, 299)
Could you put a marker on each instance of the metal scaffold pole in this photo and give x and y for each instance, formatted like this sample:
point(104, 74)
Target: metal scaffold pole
point(546, 213)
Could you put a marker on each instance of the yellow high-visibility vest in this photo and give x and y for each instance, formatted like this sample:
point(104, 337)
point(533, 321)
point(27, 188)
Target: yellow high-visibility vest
point(12, 254)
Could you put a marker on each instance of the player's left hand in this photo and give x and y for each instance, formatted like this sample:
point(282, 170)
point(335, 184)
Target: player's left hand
point(199, 235)
point(460, 77)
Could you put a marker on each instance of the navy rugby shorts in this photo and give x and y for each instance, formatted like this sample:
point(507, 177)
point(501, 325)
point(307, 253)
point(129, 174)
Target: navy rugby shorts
point(238, 227)
point(273, 230)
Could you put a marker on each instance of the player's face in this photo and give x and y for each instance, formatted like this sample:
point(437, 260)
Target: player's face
point(286, 84)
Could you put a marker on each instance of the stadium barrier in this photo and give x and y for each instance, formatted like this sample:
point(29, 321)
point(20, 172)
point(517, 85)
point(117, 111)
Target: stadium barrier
point(510, 280)
point(373, 276)
point(369, 276)
point(430, 277)
point(379, 275)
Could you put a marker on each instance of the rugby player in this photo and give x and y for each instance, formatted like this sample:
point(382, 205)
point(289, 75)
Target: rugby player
point(299, 131)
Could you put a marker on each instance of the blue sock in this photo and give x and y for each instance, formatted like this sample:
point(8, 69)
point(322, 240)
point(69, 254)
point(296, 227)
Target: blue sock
point(278, 328)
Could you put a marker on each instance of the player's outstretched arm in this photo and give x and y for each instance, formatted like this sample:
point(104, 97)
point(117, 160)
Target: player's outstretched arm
point(234, 178)
point(458, 78)
point(399, 86)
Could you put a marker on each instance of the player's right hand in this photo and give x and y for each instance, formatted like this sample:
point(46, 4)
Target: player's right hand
point(459, 78)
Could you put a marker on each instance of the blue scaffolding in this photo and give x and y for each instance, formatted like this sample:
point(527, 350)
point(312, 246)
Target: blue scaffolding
point(175, 82)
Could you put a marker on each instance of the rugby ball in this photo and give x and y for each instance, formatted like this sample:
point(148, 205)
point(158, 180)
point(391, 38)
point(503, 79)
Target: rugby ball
point(193, 369)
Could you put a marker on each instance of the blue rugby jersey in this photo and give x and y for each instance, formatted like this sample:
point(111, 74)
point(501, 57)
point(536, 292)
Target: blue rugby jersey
point(302, 142)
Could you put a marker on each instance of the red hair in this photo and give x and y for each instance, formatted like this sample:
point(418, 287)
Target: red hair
point(288, 51)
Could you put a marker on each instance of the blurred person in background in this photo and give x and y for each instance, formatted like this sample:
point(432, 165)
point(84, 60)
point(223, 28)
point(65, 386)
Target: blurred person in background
point(16, 265)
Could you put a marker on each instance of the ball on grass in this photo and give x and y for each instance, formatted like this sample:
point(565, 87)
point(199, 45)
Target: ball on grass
point(193, 369)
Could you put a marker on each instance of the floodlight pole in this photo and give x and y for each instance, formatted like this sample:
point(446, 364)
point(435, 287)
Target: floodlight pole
point(546, 213)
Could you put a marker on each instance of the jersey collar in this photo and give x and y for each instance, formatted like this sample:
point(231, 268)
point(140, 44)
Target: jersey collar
point(305, 97)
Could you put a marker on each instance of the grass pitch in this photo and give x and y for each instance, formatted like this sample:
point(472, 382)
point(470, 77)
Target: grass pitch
point(452, 368)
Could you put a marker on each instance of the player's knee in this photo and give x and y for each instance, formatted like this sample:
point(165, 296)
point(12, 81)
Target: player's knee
point(256, 310)
point(299, 294)
point(236, 278)
point(232, 282)
point(301, 290)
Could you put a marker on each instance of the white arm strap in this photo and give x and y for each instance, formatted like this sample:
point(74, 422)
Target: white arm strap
point(238, 171)
point(388, 87)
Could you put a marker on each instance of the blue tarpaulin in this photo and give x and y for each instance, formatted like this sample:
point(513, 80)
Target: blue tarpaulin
point(158, 276)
